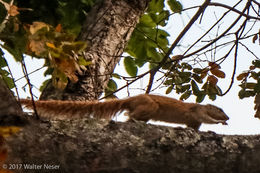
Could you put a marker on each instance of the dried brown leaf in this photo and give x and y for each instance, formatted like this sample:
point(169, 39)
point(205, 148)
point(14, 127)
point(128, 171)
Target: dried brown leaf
point(218, 73)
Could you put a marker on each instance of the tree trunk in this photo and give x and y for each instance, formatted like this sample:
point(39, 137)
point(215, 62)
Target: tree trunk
point(10, 110)
point(90, 145)
point(106, 30)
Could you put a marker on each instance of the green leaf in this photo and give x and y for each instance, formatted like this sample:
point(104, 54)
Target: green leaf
point(130, 66)
point(255, 75)
point(156, 6)
point(256, 63)
point(175, 6)
point(162, 38)
point(117, 76)
point(9, 81)
point(1, 52)
point(182, 88)
point(197, 70)
point(186, 66)
point(147, 21)
point(3, 72)
point(3, 62)
point(219, 91)
point(248, 85)
point(44, 84)
point(212, 97)
point(200, 97)
point(195, 88)
point(169, 89)
point(244, 93)
point(153, 65)
point(257, 87)
point(197, 78)
point(161, 18)
point(178, 80)
point(168, 82)
point(186, 95)
point(154, 55)
point(185, 75)
point(112, 86)
point(16, 53)
point(48, 71)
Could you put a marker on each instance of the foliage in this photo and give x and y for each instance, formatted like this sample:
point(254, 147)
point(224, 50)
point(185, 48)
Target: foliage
point(249, 88)
point(56, 44)
point(152, 41)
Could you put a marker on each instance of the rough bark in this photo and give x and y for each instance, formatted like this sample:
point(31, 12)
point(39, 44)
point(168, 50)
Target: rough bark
point(10, 110)
point(106, 30)
point(90, 145)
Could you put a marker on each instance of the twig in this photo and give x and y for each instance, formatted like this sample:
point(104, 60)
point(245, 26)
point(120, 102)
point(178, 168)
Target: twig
point(30, 88)
point(29, 74)
point(208, 32)
point(242, 28)
point(233, 9)
point(220, 36)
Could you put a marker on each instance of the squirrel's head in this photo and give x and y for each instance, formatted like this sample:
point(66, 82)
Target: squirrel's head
point(217, 113)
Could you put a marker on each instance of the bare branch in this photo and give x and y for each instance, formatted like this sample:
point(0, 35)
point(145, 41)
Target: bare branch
point(223, 34)
point(233, 9)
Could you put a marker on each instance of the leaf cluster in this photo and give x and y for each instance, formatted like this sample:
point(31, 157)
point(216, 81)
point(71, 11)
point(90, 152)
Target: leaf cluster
point(250, 81)
point(57, 45)
point(149, 41)
point(186, 80)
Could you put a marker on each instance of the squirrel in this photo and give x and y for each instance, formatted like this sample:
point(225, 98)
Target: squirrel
point(142, 107)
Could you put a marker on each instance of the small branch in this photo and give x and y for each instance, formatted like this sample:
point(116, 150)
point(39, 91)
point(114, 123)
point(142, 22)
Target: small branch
point(210, 29)
point(241, 29)
point(223, 34)
point(233, 9)
point(30, 88)
point(29, 74)
point(249, 50)
point(150, 84)
point(234, 69)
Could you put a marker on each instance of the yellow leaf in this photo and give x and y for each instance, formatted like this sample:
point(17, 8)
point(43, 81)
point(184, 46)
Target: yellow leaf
point(50, 45)
point(36, 26)
point(9, 130)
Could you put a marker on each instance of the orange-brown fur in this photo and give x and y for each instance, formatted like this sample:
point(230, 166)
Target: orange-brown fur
point(142, 107)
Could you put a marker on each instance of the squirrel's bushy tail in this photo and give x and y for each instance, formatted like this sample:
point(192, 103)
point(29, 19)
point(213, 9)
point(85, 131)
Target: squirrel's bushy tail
point(56, 109)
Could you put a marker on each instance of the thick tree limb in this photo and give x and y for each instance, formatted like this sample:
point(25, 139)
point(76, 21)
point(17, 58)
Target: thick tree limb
point(90, 145)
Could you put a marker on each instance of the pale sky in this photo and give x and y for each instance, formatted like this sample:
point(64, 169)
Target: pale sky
point(241, 112)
